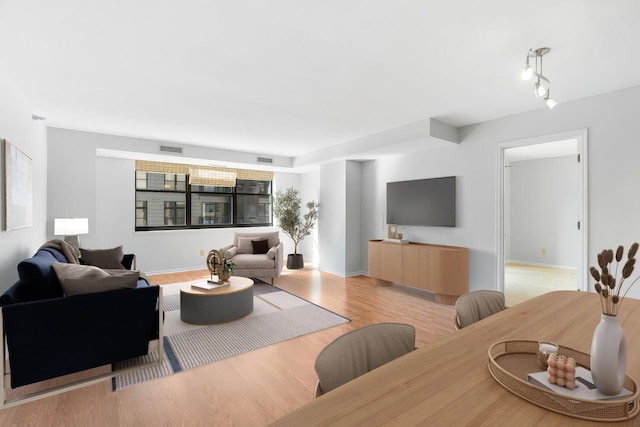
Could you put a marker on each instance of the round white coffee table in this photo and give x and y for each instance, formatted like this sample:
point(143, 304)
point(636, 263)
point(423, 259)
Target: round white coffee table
point(200, 307)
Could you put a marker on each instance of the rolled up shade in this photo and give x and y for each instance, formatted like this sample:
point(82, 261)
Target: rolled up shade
point(212, 177)
point(165, 167)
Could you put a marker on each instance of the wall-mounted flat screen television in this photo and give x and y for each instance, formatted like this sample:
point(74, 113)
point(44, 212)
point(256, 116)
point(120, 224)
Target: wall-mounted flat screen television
point(429, 202)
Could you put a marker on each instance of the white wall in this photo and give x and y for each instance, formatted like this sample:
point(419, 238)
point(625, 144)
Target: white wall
point(332, 217)
point(353, 220)
point(544, 211)
point(614, 177)
point(85, 184)
point(17, 127)
point(309, 187)
point(340, 221)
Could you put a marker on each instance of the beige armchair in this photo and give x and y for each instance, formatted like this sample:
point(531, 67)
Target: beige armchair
point(255, 255)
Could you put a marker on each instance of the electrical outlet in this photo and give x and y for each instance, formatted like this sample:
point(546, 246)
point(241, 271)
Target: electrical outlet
point(201, 252)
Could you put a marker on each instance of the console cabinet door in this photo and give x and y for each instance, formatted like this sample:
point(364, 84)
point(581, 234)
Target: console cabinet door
point(412, 260)
point(391, 262)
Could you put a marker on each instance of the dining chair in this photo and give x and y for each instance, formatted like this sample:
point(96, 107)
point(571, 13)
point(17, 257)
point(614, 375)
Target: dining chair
point(476, 305)
point(360, 351)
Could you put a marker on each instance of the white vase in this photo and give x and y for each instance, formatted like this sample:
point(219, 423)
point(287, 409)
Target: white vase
point(608, 356)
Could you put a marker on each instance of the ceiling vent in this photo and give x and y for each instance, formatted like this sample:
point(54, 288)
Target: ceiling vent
point(170, 150)
point(265, 160)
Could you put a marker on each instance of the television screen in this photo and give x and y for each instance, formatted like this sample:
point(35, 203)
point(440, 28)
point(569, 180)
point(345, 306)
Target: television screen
point(422, 202)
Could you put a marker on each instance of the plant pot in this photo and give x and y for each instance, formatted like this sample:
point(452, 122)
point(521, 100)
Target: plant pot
point(295, 261)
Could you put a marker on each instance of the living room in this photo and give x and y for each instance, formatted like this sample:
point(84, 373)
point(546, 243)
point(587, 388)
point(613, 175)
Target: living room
point(79, 172)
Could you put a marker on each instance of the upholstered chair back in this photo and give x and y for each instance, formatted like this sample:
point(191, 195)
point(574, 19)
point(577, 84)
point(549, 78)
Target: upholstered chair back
point(477, 305)
point(360, 351)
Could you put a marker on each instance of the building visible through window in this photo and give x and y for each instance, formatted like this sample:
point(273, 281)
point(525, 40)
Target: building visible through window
point(167, 198)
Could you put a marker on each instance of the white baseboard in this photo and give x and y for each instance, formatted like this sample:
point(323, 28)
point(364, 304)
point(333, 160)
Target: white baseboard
point(541, 264)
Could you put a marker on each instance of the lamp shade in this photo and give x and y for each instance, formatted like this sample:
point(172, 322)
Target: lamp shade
point(70, 226)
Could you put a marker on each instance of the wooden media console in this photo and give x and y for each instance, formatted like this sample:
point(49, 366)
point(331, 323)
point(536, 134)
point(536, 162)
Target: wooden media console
point(443, 270)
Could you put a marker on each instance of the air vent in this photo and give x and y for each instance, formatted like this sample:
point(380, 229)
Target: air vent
point(170, 149)
point(265, 160)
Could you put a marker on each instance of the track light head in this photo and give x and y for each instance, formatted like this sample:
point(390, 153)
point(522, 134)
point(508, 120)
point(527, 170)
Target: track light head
point(549, 102)
point(542, 86)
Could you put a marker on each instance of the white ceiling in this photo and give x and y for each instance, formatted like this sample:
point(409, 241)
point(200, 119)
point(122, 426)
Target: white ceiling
point(293, 77)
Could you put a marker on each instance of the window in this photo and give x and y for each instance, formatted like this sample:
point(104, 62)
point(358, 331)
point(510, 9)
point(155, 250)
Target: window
point(166, 200)
point(141, 213)
point(211, 205)
point(160, 200)
point(254, 201)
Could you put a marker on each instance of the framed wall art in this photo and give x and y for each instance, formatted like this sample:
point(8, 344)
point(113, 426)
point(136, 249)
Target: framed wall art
point(18, 191)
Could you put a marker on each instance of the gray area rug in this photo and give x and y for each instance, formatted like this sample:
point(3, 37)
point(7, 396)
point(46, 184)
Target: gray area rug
point(277, 316)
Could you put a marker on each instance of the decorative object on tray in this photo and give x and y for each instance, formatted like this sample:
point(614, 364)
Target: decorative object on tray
point(219, 266)
point(562, 370)
point(609, 344)
point(545, 349)
point(513, 364)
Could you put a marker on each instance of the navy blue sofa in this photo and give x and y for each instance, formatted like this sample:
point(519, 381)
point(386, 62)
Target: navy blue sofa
point(49, 335)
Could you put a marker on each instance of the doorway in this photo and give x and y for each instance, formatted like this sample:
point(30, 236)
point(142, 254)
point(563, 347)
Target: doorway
point(542, 233)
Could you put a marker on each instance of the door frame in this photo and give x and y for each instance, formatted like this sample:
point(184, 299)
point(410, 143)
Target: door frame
point(583, 241)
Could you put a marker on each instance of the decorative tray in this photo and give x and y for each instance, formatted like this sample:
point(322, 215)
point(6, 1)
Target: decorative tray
point(511, 361)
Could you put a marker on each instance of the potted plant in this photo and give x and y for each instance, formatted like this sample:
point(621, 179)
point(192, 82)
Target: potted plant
point(287, 210)
point(225, 269)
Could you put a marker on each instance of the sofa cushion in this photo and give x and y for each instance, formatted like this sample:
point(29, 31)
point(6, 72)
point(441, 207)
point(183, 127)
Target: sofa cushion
point(103, 258)
point(272, 236)
point(87, 279)
point(250, 261)
point(38, 278)
point(244, 245)
point(260, 246)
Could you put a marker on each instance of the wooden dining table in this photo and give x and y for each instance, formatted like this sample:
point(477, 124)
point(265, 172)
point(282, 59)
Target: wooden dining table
point(448, 383)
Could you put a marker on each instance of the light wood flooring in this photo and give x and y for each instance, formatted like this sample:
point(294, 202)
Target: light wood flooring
point(526, 281)
point(251, 389)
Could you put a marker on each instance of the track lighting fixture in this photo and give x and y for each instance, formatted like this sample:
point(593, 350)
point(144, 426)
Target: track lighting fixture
point(542, 86)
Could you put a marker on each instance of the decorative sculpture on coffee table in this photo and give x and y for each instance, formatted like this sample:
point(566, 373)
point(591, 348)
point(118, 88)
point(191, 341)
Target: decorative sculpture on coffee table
point(215, 264)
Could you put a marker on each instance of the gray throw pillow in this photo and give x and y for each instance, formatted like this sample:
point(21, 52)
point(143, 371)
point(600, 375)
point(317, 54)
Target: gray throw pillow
point(103, 258)
point(78, 279)
point(244, 245)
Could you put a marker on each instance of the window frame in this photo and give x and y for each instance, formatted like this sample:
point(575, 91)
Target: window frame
point(189, 191)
